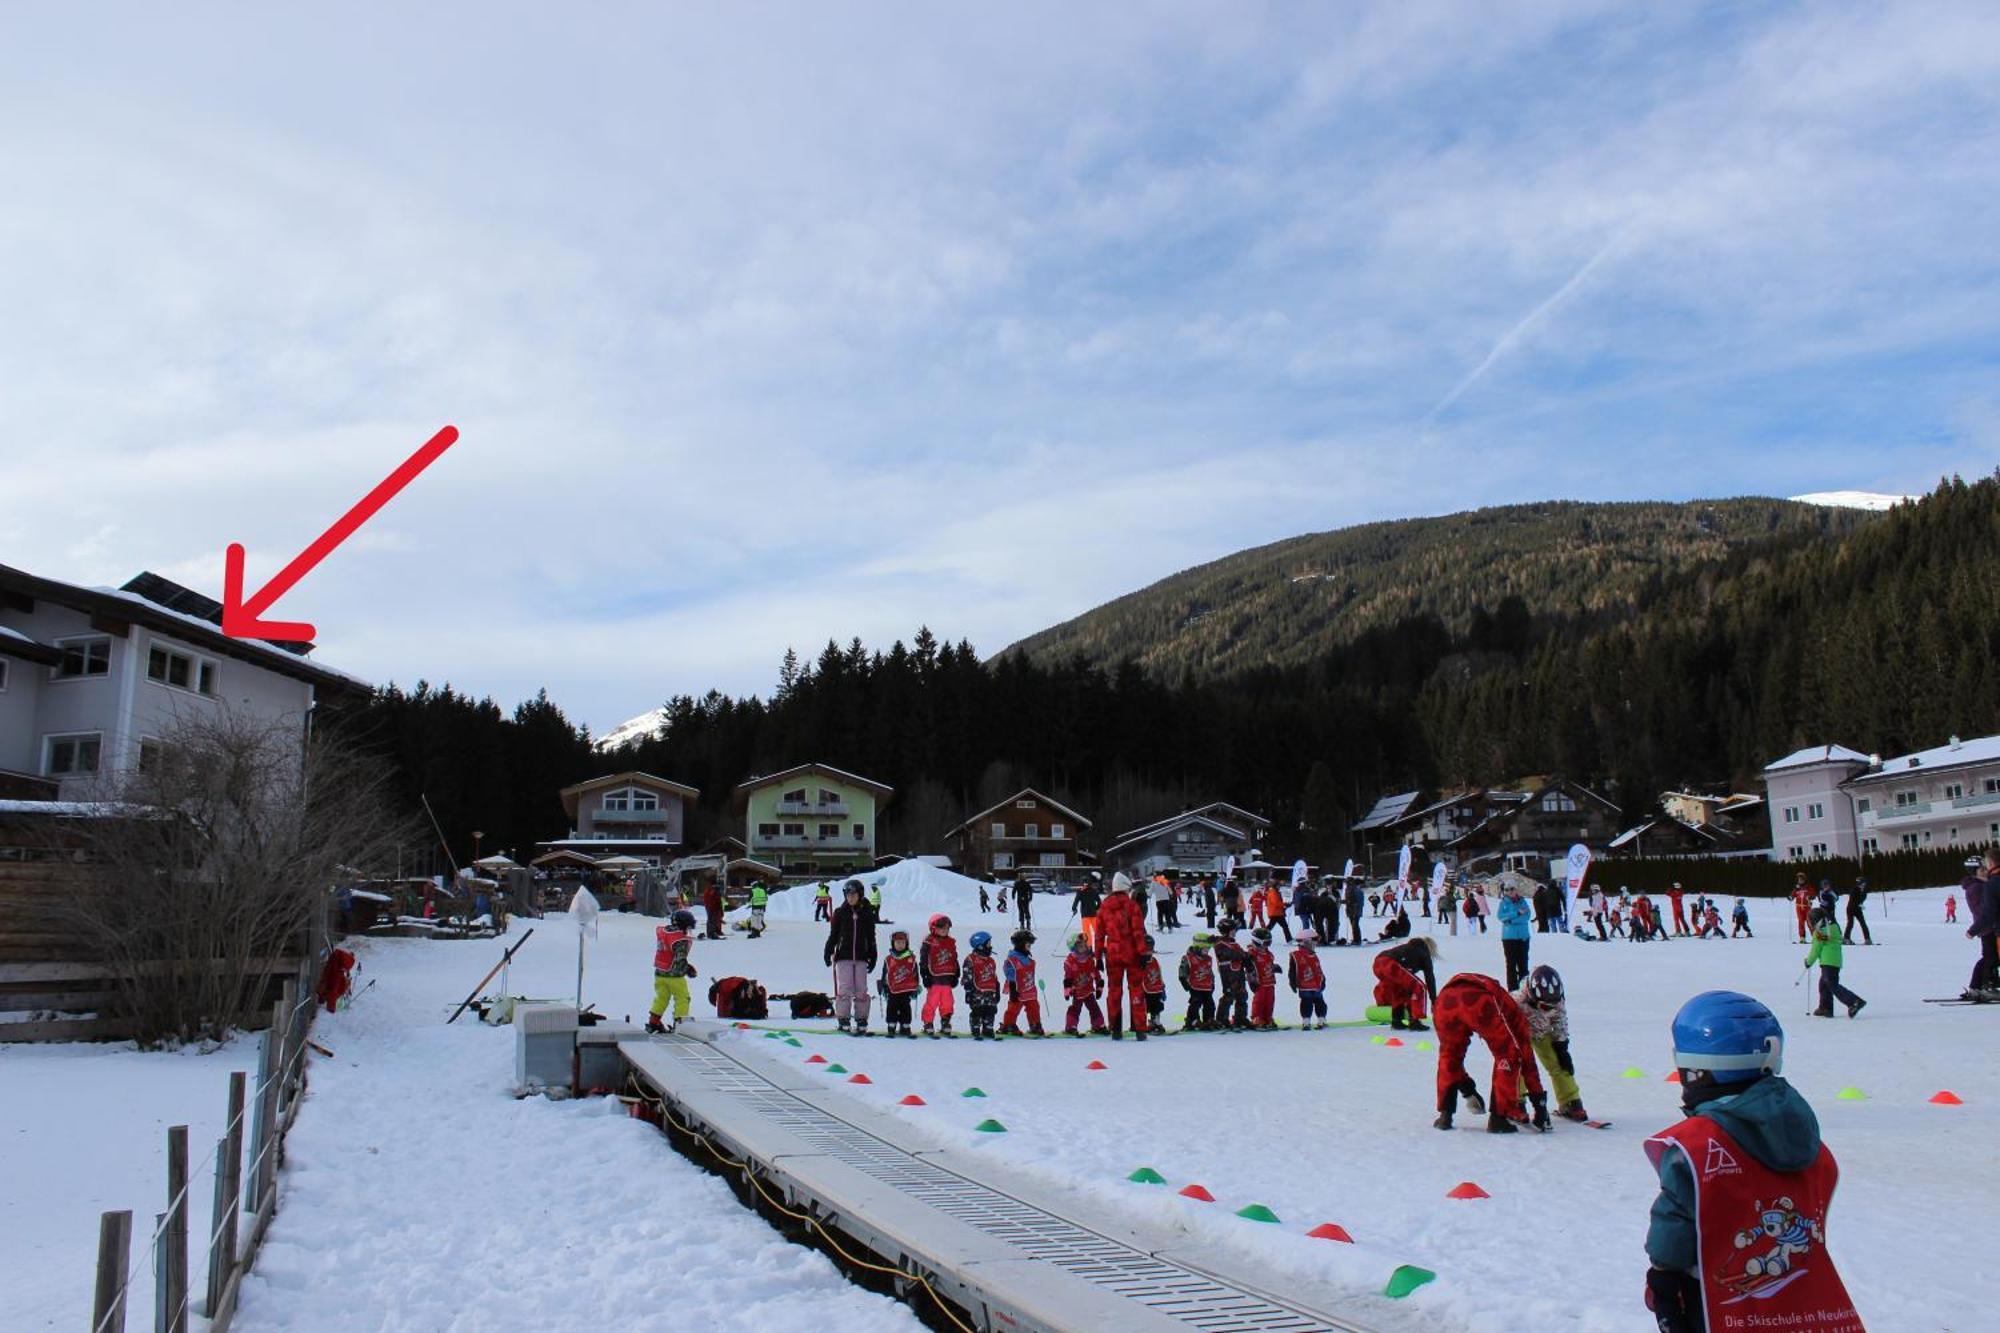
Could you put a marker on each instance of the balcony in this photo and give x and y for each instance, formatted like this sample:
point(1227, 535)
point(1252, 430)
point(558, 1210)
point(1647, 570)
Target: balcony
point(629, 817)
point(799, 842)
point(829, 809)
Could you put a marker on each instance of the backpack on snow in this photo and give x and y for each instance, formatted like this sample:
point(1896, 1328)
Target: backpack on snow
point(810, 1004)
point(738, 997)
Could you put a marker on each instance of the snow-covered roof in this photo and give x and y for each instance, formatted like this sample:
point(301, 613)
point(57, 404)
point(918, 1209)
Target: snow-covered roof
point(1817, 754)
point(75, 809)
point(1387, 810)
point(1026, 792)
point(1155, 830)
point(839, 774)
point(1978, 750)
point(1250, 817)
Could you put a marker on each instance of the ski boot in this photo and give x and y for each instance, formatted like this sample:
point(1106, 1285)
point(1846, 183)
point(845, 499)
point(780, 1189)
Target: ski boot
point(1443, 1120)
point(1397, 1022)
point(930, 1030)
point(1822, 1013)
point(908, 1033)
point(1072, 1032)
point(1500, 1124)
point(1574, 1111)
point(1416, 1025)
point(1036, 1031)
point(653, 1024)
point(1011, 1030)
point(860, 1028)
point(1098, 1032)
point(1540, 1101)
point(944, 1028)
point(1139, 1033)
point(846, 1026)
point(1473, 1101)
point(1855, 1008)
point(1117, 1032)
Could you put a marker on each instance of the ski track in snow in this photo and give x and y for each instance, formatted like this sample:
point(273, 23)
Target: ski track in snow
point(419, 1195)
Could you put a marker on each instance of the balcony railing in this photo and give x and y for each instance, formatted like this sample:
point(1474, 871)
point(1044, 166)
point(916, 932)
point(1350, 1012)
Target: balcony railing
point(628, 816)
point(799, 842)
point(810, 808)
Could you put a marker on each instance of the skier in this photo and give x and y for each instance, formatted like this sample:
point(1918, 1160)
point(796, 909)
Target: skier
point(1230, 897)
point(1600, 908)
point(1208, 899)
point(1826, 951)
point(1802, 899)
point(1258, 904)
point(1951, 909)
point(1739, 920)
point(1982, 900)
point(1197, 976)
point(1274, 910)
point(1019, 970)
point(1163, 903)
point(1474, 905)
point(1680, 918)
point(902, 977)
point(823, 902)
point(875, 898)
point(1514, 934)
point(1308, 980)
point(1000, 898)
point(1541, 1000)
point(1121, 930)
point(1448, 909)
point(1086, 901)
point(673, 964)
point(982, 986)
point(939, 962)
point(1231, 960)
point(760, 898)
point(1398, 927)
point(1765, 1182)
point(1711, 921)
point(850, 952)
point(1155, 988)
point(1354, 899)
point(1024, 894)
point(1080, 985)
point(711, 903)
point(985, 900)
point(1471, 1005)
point(1263, 978)
point(1396, 982)
point(1857, 897)
point(1305, 905)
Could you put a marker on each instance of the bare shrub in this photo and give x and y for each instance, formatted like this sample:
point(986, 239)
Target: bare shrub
point(222, 854)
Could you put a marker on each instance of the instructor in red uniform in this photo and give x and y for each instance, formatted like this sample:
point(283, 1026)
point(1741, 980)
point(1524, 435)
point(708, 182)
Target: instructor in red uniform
point(1471, 1005)
point(1121, 941)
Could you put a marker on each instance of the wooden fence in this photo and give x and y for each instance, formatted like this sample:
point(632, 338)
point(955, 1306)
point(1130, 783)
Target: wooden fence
point(245, 1184)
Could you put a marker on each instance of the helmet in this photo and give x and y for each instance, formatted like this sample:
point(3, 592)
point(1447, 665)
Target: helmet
point(1202, 940)
point(1544, 986)
point(1732, 1036)
point(1022, 939)
point(683, 919)
point(854, 886)
point(1148, 939)
point(980, 940)
point(940, 919)
point(1077, 939)
point(1308, 937)
point(1261, 935)
point(902, 935)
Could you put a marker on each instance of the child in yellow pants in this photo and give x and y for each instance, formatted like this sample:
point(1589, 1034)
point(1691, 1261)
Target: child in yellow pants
point(1541, 998)
point(672, 966)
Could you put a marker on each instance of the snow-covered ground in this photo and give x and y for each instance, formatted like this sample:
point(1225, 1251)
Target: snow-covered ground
point(420, 1195)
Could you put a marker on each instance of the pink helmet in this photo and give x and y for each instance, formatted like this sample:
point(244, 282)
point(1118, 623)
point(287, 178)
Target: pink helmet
point(940, 919)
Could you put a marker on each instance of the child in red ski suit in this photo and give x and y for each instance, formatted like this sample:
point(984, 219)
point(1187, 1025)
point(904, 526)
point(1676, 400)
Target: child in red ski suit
point(899, 983)
point(1308, 980)
point(938, 960)
point(1154, 986)
point(1471, 1005)
point(1263, 978)
point(1019, 972)
point(1396, 983)
point(1080, 985)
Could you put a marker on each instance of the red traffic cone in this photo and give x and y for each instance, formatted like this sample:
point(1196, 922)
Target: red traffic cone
point(1097, 1064)
point(861, 1078)
point(1197, 1192)
point(1465, 1189)
point(1331, 1231)
point(912, 1100)
point(815, 1059)
point(742, 1027)
point(1393, 1041)
point(1673, 1076)
point(1947, 1098)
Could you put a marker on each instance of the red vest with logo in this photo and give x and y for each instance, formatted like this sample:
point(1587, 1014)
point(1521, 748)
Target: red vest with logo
point(899, 974)
point(1200, 970)
point(1310, 974)
point(1154, 983)
point(664, 940)
point(1760, 1235)
point(983, 972)
point(940, 955)
point(1265, 968)
point(1024, 974)
point(1080, 980)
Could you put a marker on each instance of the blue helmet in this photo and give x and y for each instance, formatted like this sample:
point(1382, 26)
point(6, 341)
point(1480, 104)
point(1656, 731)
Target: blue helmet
point(981, 939)
point(1733, 1037)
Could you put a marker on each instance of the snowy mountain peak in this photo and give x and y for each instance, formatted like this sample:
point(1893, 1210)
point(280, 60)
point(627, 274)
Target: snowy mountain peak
point(1853, 499)
point(635, 729)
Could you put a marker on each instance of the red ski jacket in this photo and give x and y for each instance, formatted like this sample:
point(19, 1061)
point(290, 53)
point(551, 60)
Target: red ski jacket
point(982, 974)
point(1264, 969)
point(940, 960)
point(1081, 980)
point(899, 974)
point(1121, 929)
point(1154, 983)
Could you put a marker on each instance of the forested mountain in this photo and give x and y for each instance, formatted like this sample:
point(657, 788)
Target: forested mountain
point(1288, 603)
point(1877, 631)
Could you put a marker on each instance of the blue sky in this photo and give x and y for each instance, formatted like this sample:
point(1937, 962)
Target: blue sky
point(769, 323)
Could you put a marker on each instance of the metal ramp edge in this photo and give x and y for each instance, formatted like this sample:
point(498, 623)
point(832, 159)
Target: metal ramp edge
point(1012, 1263)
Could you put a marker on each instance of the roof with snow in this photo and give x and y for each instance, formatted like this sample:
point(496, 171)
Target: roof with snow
point(1818, 754)
point(1022, 794)
point(1388, 810)
point(1178, 821)
point(798, 770)
point(1954, 754)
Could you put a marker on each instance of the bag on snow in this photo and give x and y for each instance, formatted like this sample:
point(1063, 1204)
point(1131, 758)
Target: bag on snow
point(738, 997)
point(810, 1004)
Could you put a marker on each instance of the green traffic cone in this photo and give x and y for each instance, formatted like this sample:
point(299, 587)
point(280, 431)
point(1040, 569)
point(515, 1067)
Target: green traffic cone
point(1146, 1175)
point(834, 1069)
point(1257, 1212)
point(1633, 1071)
point(1850, 1095)
point(1406, 1279)
point(972, 1092)
point(990, 1127)
point(793, 1041)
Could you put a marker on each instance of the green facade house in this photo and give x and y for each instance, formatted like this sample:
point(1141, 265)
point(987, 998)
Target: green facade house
point(812, 819)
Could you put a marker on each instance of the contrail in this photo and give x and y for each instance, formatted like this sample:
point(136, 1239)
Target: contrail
point(1521, 329)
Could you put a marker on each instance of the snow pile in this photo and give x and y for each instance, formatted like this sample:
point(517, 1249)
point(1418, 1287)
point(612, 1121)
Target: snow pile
point(1853, 500)
point(909, 887)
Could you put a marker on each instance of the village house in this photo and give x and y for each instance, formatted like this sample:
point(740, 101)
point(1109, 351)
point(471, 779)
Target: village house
point(1833, 801)
point(812, 819)
point(1553, 816)
point(1695, 824)
point(631, 814)
point(1027, 831)
point(1197, 841)
point(93, 679)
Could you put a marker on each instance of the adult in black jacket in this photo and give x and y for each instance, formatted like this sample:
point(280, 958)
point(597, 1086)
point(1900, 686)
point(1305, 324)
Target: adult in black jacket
point(850, 952)
point(1856, 897)
point(1355, 894)
point(1024, 894)
point(1547, 905)
point(1982, 898)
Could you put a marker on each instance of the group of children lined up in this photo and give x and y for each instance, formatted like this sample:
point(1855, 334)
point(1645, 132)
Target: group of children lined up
point(1639, 919)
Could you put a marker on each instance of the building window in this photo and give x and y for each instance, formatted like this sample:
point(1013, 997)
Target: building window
point(83, 658)
point(149, 756)
point(1024, 805)
point(1909, 842)
point(798, 796)
point(1055, 830)
point(767, 830)
point(1863, 806)
point(1819, 851)
point(1558, 802)
point(1953, 838)
point(3, 675)
point(1905, 798)
point(1954, 790)
point(794, 830)
point(1003, 860)
point(861, 833)
point(1051, 860)
point(67, 756)
point(829, 832)
point(1796, 853)
point(1927, 837)
point(828, 797)
point(630, 798)
point(1868, 846)
point(1991, 786)
point(1816, 811)
point(180, 670)
point(1791, 814)
point(999, 830)
point(1032, 831)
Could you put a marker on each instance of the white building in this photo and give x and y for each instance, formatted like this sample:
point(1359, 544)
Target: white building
point(91, 678)
point(1833, 801)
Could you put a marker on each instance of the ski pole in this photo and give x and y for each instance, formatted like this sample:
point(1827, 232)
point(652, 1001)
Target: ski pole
point(505, 959)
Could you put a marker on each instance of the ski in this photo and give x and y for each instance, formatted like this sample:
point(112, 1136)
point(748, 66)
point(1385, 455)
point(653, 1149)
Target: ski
point(1957, 999)
point(1593, 1124)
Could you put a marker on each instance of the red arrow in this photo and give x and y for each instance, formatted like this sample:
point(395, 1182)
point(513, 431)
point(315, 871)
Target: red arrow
point(240, 615)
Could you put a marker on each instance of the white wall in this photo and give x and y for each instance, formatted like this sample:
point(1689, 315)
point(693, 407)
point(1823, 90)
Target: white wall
point(1800, 789)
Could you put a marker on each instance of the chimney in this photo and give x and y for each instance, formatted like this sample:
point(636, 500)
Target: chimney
point(1954, 742)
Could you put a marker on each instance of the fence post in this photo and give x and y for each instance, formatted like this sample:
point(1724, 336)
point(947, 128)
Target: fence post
point(234, 1153)
point(260, 1126)
point(177, 1228)
point(221, 1209)
point(114, 1256)
point(159, 1273)
point(283, 1019)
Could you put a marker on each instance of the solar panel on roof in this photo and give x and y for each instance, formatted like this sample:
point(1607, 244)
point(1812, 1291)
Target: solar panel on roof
point(165, 592)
